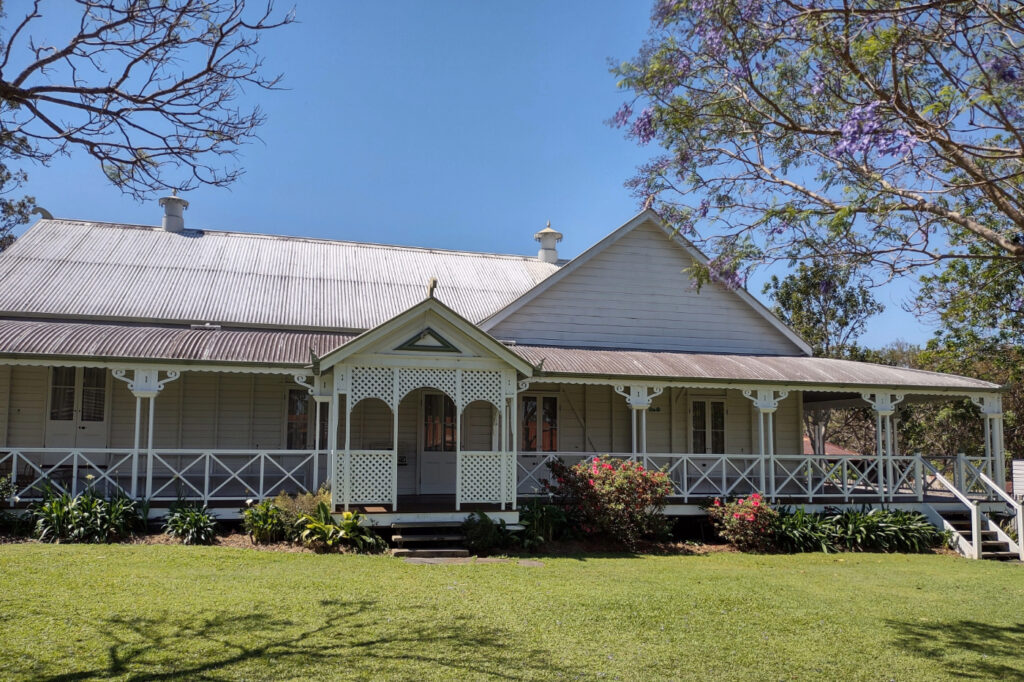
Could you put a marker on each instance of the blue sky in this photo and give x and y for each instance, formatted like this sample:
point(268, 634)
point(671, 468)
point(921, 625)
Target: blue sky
point(463, 125)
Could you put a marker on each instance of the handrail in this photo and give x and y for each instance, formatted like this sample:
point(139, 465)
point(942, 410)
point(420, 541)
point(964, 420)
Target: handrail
point(971, 506)
point(1008, 499)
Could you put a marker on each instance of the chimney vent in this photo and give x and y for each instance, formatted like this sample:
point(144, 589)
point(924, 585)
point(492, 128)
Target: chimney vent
point(174, 206)
point(548, 238)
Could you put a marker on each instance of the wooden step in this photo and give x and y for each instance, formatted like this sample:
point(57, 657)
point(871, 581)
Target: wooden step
point(400, 539)
point(1000, 556)
point(429, 553)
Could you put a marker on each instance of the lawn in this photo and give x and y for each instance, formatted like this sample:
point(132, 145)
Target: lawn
point(128, 612)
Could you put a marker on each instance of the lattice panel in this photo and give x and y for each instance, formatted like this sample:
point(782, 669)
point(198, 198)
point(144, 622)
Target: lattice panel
point(480, 384)
point(373, 477)
point(410, 379)
point(511, 472)
point(372, 382)
point(480, 477)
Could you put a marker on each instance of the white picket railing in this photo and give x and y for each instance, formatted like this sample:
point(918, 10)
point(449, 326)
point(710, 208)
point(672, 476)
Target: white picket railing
point(810, 478)
point(164, 474)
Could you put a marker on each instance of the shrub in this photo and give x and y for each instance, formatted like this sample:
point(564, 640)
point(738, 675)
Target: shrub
point(883, 530)
point(7, 489)
point(86, 518)
point(747, 523)
point(798, 531)
point(293, 507)
point(191, 524)
point(617, 499)
point(264, 522)
point(319, 531)
point(483, 534)
point(542, 523)
point(751, 525)
point(15, 525)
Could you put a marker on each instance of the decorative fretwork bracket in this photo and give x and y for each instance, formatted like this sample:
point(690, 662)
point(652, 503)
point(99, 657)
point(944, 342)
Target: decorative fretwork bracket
point(145, 383)
point(639, 397)
point(320, 387)
point(766, 400)
point(990, 405)
point(883, 403)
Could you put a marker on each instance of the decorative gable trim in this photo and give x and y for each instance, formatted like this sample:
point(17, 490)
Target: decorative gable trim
point(430, 341)
point(367, 340)
point(648, 215)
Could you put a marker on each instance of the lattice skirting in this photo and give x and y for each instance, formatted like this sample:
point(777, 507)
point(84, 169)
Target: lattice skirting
point(372, 478)
point(480, 477)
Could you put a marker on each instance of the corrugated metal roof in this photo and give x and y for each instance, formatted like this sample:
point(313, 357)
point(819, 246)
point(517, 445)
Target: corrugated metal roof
point(104, 270)
point(749, 368)
point(115, 341)
point(265, 347)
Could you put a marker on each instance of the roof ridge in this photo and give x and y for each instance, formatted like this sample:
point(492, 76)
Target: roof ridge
point(299, 238)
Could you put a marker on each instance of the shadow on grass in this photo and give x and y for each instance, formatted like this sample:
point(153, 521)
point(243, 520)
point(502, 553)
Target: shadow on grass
point(348, 637)
point(996, 649)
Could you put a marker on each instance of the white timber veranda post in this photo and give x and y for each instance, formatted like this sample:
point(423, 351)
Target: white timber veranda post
point(458, 440)
point(395, 398)
point(991, 406)
point(144, 383)
point(766, 401)
point(884, 405)
point(639, 399)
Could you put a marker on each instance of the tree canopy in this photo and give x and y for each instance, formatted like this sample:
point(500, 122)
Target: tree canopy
point(151, 90)
point(881, 133)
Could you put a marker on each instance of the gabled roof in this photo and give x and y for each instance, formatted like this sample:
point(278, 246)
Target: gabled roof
point(71, 269)
point(645, 217)
point(367, 340)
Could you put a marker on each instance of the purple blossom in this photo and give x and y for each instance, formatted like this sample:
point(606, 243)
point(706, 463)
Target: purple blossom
point(863, 132)
point(1004, 68)
point(622, 116)
point(817, 85)
point(702, 210)
point(725, 273)
point(643, 127)
point(780, 227)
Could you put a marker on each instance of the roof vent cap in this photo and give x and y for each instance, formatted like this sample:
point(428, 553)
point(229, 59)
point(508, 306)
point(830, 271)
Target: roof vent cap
point(174, 207)
point(548, 238)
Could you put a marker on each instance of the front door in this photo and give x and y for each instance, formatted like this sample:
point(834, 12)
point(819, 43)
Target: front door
point(437, 449)
point(77, 416)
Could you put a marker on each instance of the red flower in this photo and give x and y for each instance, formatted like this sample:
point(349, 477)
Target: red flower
point(735, 516)
point(718, 502)
point(591, 481)
point(750, 517)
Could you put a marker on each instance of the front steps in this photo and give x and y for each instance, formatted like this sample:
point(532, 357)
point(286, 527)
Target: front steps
point(428, 539)
point(992, 547)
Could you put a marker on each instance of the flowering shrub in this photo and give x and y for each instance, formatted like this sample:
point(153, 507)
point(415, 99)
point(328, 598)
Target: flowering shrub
point(617, 499)
point(748, 523)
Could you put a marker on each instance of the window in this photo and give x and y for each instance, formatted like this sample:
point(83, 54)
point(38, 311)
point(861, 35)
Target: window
point(438, 423)
point(548, 429)
point(708, 426)
point(301, 415)
point(62, 394)
point(90, 382)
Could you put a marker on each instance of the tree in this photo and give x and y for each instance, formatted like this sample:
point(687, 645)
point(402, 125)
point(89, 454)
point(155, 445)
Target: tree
point(150, 90)
point(829, 306)
point(862, 132)
point(979, 305)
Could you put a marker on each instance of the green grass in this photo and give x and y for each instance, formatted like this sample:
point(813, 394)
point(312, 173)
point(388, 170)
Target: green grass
point(150, 612)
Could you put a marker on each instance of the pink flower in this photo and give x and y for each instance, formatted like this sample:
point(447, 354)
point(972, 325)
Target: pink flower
point(736, 516)
point(591, 481)
point(756, 503)
point(750, 517)
point(718, 502)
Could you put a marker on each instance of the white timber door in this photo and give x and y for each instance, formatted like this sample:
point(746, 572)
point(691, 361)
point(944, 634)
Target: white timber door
point(77, 414)
point(437, 445)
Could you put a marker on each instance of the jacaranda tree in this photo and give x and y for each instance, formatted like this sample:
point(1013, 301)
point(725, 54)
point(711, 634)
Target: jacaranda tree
point(871, 132)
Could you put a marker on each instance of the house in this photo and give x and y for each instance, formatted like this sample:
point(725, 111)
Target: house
point(172, 363)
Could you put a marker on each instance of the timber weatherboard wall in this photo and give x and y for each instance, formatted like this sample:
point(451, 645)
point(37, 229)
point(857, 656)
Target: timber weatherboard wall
point(635, 294)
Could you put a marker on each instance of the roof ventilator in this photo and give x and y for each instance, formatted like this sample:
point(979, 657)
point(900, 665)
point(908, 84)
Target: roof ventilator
point(548, 238)
point(174, 207)
point(205, 327)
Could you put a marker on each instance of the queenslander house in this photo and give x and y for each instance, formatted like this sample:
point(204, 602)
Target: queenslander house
point(169, 363)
